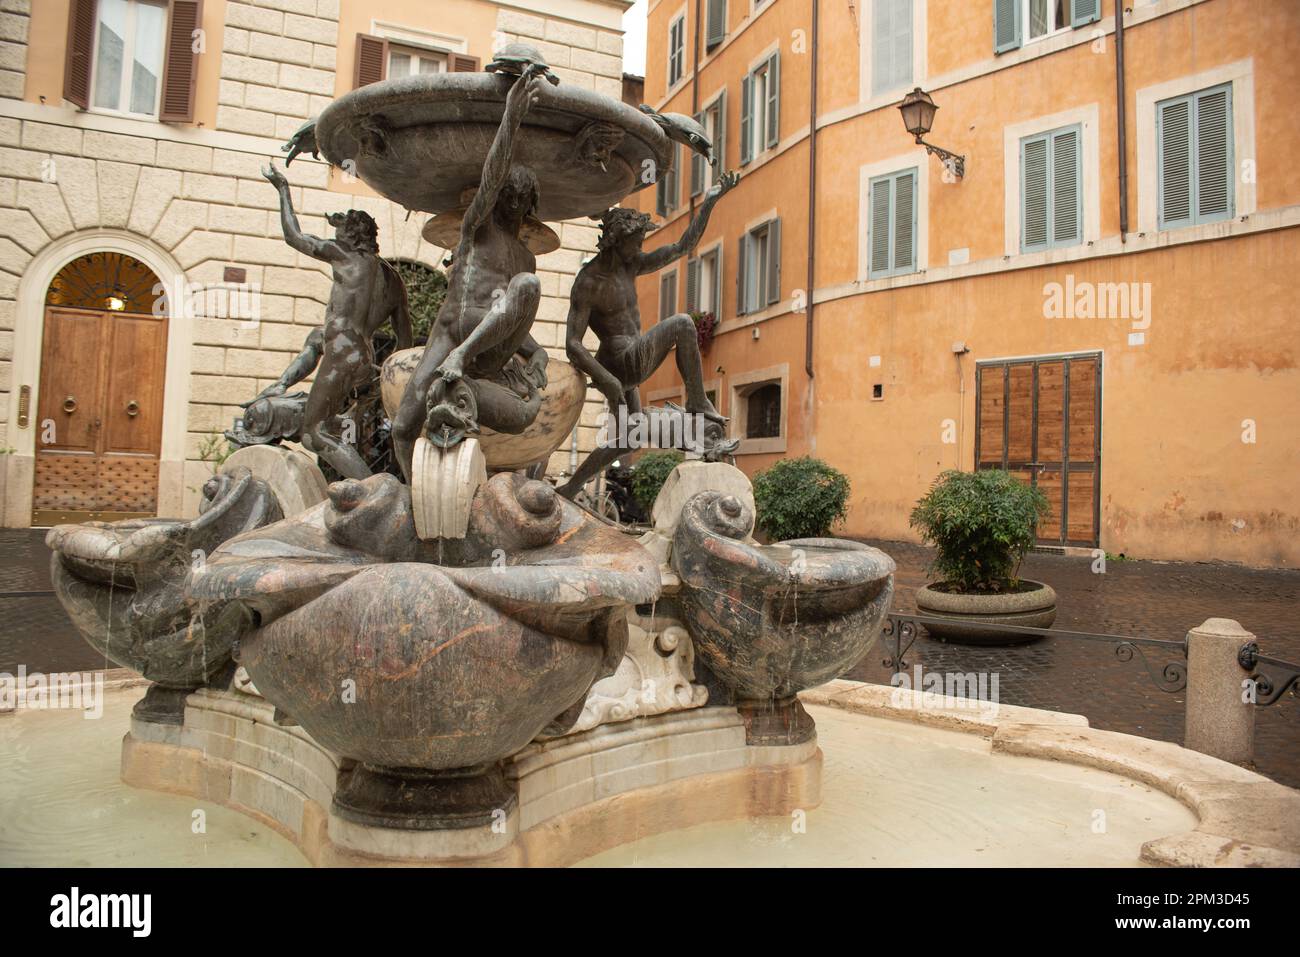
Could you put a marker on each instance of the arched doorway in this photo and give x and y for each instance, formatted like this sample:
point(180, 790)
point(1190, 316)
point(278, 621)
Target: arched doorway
point(100, 409)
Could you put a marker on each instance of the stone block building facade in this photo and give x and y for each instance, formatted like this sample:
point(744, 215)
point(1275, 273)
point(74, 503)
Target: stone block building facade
point(132, 138)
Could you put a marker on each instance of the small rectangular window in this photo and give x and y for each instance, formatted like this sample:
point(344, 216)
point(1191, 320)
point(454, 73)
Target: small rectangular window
point(758, 282)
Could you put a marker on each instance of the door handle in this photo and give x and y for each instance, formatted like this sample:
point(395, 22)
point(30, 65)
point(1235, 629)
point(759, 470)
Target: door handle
point(70, 404)
point(133, 408)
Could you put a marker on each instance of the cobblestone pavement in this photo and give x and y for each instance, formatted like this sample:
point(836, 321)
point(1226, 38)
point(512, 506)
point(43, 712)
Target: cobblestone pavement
point(1139, 598)
point(1144, 599)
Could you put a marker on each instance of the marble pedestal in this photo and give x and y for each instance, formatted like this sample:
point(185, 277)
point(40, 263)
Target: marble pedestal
point(577, 795)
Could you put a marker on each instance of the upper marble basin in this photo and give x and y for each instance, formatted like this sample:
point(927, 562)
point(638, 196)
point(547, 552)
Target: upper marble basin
point(421, 142)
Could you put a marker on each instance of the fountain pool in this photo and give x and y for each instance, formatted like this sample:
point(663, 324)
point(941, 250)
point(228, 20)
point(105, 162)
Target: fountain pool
point(893, 793)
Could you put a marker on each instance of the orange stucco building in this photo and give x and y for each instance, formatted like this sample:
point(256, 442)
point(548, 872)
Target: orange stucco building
point(1100, 303)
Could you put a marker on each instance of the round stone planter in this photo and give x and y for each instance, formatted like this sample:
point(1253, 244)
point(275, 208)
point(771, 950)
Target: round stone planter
point(976, 617)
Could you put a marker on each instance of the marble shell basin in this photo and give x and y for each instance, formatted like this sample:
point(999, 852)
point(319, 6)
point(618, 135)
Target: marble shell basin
point(561, 407)
point(421, 141)
point(772, 620)
point(122, 583)
point(432, 655)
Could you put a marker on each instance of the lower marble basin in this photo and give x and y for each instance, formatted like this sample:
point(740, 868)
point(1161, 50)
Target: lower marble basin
point(429, 662)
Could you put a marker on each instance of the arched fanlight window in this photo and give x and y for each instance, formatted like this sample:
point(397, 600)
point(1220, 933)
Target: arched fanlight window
point(107, 280)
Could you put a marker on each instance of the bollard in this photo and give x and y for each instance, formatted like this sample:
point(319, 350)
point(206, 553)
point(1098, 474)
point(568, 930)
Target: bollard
point(1220, 714)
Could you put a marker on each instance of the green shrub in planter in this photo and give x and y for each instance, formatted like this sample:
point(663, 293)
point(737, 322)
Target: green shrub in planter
point(650, 473)
point(800, 498)
point(981, 523)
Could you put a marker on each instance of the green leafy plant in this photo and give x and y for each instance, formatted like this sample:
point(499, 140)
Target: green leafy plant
point(800, 498)
point(649, 474)
point(426, 288)
point(982, 524)
point(215, 449)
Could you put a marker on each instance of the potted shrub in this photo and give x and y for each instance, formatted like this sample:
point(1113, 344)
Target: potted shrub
point(649, 474)
point(982, 524)
point(799, 498)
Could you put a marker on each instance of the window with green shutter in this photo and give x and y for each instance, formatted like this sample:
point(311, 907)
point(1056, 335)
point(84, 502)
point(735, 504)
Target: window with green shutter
point(891, 230)
point(760, 108)
point(758, 273)
point(1051, 189)
point(1017, 22)
point(715, 21)
point(667, 294)
point(676, 50)
point(1194, 158)
point(666, 191)
point(891, 45)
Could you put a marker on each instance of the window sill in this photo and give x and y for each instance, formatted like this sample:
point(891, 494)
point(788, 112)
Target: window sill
point(761, 446)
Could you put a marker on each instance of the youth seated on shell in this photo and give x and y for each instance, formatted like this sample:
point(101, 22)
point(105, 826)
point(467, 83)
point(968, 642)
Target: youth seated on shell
point(561, 407)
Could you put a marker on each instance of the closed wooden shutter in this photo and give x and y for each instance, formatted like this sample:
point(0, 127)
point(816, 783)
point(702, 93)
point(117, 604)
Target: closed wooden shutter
point(1213, 155)
point(880, 200)
point(1174, 145)
point(742, 267)
point(746, 119)
point(1084, 11)
point(692, 285)
point(715, 23)
point(720, 138)
point(1034, 193)
point(773, 127)
point(81, 39)
point(180, 63)
point(697, 165)
point(891, 45)
point(1006, 25)
point(892, 227)
point(904, 258)
point(773, 291)
point(1051, 183)
point(460, 63)
point(1067, 207)
point(715, 303)
point(667, 294)
point(372, 60)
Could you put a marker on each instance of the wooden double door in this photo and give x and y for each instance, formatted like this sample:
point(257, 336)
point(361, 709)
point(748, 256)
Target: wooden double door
point(99, 415)
point(1040, 419)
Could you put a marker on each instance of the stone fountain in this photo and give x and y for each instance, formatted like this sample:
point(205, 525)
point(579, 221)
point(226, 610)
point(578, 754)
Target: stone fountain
point(461, 664)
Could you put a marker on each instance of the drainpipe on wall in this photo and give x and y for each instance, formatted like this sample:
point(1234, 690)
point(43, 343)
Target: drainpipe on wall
point(1122, 137)
point(812, 198)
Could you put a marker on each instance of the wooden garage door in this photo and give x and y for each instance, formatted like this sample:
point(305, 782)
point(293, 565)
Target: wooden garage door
point(1040, 419)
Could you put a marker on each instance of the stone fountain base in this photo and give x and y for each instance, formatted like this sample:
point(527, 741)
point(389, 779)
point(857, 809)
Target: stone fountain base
point(573, 796)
